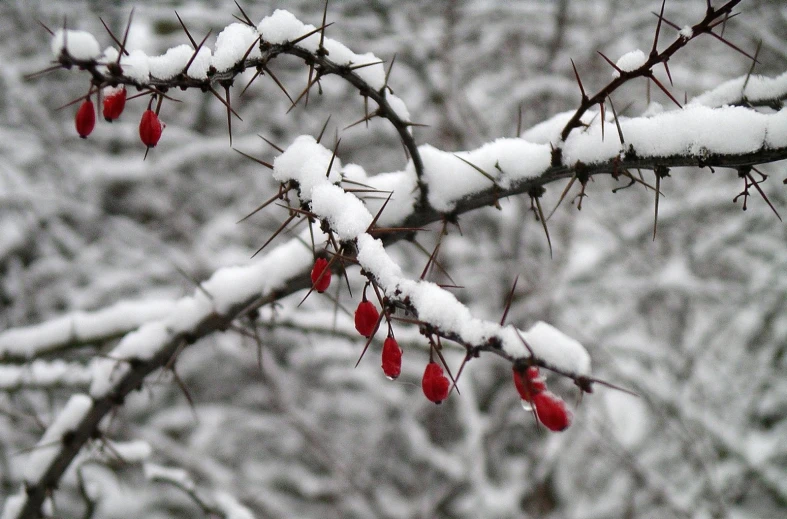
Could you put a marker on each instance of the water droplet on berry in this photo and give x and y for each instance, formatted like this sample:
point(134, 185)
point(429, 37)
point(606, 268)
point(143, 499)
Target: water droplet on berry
point(527, 406)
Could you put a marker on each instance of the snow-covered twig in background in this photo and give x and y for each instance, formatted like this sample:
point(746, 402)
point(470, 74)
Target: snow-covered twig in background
point(78, 329)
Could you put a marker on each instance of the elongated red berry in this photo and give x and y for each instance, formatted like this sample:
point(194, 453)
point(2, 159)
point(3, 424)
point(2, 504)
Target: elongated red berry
point(366, 317)
point(114, 102)
point(392, 358)
point(434, 383)
point(321, 275)
point(552, 411)
point(530, 384)
point(86, 118)
point(150, 128)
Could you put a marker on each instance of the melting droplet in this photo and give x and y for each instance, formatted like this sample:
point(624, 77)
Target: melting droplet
point(390, 378)
point(527, 406)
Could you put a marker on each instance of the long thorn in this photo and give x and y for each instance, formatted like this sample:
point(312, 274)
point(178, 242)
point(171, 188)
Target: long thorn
point(258, 161)
point(509, 300)
point(563, 195)
point(186, 30)
point(579, 81)
point(264, 205)
point(280, 229)
point(656, 212)
point(324, 126)
point(245, 16)
point(544, 224)
point(653, 50)
point(271, 144)
point(276, 80)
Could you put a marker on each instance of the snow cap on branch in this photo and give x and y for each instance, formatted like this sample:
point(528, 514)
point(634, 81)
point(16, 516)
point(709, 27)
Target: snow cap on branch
point(51, 443)
point(79, 45)
point(233, 43)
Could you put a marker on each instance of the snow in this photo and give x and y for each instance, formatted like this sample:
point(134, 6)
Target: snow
point(694, 130)
point(630, 61)
point(687, 32)
point(374, 75)
point(44, 374)
point(398, 106)
point(176, 476)
point(373, 256)
point(201, 64)
point(136, 66)
point(346, 214)
point(51, 443)
point(450, 179)
point(307, 162)
point(14, 504)
point(282, 26)
point(80, 45)
point(233, 43)
point(172, 63)
point(402, 187)
point(80, 327)
point(135, 451)
point(557, 348)
point(758, 88)
point(231, 507)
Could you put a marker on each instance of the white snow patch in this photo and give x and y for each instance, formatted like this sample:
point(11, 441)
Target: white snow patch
point(231, 507)
point(43, 374)
point(399, 108)
point(176, 476)
point(29, 341)
point(687, 32)
point(758, 88)
point(280, 27)
point(307, 162)
point(136, 66)
point(233, 43)
point(630, 61)
point(201, 64)
point(373, 257)
point(346, 214)
point(172, 63)
point(14, 504)
point(557, 348)
point(80, 45)
point(51, 443)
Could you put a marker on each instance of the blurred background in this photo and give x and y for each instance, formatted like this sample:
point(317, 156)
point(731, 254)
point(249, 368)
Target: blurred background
point(695, 322)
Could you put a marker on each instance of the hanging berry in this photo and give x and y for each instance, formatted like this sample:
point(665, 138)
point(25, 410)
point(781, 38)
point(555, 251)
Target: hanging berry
point(114, 102)
point(434, 383)
point(321, 275)
point(150, 128)
point(529, 384)
point(392, 358)
point(366, 317)
point(85, 119)
point(551, 411)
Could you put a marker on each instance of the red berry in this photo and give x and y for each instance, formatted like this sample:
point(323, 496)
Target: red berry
point(531, 384)
point(86, 118)
point(150, 128)
point(114, 102)
point(366, 317)
point(392, 358)
point(321, 275)
point(552, 411)
point(434, 383)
